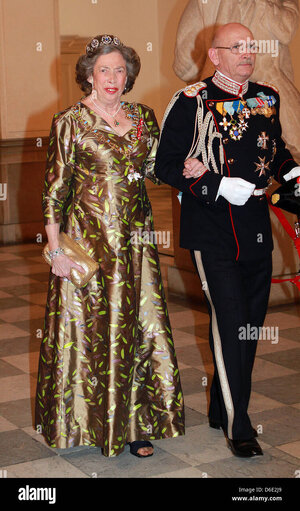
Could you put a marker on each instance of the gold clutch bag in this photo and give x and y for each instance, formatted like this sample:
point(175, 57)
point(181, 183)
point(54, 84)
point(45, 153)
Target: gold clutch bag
point(78, 255)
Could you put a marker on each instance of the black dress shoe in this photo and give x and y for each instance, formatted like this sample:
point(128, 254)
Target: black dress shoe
point(218, 425)
point(245, 448)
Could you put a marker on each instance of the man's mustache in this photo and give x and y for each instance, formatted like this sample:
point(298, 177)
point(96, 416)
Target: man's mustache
point(247, 61)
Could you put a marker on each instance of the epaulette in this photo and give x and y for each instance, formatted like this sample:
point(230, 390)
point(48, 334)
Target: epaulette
point(192, 90)
point(266, 84)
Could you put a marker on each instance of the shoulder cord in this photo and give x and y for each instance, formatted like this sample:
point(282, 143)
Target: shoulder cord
point(205, 127)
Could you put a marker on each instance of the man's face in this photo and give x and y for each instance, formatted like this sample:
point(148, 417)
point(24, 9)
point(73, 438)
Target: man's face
point(239, 66)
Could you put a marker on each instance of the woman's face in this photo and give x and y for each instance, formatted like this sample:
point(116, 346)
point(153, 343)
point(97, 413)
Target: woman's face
point(109, 77)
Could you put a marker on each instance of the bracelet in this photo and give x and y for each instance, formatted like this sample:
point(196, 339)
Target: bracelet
point(56, 252)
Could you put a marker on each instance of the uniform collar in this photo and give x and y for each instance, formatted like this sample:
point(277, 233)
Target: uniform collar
point(228, 85)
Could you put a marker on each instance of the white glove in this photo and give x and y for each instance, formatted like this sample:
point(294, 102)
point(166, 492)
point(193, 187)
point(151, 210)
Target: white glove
point(236, 190)
point(295, 172)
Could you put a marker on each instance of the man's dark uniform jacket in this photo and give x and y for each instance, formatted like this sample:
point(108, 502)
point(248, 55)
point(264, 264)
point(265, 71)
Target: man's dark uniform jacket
point(230, 245)
point(253, 150)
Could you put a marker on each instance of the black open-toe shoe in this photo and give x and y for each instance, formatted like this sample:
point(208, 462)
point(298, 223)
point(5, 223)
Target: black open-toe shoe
point(138, 444)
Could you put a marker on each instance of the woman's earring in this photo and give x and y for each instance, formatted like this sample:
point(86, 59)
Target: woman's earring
point(94, 92)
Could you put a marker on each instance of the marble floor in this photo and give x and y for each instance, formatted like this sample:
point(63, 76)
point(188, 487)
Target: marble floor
point(202, 452)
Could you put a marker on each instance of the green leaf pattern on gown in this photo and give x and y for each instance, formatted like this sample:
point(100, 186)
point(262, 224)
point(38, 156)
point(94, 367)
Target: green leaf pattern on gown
point(108, 372)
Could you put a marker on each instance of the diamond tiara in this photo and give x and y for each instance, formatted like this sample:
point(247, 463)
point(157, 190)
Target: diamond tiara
point(104, 41)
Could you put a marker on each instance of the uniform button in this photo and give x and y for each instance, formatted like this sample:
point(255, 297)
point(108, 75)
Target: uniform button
point(231, 161)
point(225, 140)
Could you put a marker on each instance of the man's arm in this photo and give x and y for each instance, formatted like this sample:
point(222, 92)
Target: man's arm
point(175, 143)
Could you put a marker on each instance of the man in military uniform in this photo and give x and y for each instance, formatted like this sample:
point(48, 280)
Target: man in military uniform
point(220, 145)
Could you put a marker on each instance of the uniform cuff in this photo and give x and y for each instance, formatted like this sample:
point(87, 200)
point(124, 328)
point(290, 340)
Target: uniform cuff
point(206, 187)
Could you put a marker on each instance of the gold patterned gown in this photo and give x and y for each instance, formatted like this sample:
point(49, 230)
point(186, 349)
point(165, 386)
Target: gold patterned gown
point(108, 373)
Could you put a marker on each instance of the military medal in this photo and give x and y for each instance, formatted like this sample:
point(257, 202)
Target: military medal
point(246, 112)
point(262, 166)
point(243, 125)
point(262, 140)
point(235, 132)
point(274, 149)
point(262, 105)
point(226, 124)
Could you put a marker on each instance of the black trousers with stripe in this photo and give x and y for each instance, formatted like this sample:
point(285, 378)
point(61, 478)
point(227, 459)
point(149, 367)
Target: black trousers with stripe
point(237, 295)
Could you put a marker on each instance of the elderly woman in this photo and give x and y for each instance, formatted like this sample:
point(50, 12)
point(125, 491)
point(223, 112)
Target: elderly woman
point(108, 373)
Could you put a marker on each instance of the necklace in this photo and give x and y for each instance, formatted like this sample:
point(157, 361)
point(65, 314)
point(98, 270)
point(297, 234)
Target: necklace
point(113, 116)
point(133, 112)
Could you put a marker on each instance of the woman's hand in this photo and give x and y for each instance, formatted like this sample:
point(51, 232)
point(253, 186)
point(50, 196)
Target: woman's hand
point(62, 264)
point(193, 168)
